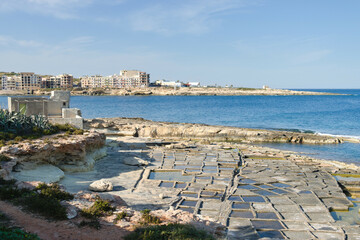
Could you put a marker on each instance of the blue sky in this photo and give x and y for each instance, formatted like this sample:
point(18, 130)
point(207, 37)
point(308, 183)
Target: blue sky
point(249, 43)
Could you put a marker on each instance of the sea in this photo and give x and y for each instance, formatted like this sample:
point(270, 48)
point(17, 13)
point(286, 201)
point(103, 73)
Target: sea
point(337, 115)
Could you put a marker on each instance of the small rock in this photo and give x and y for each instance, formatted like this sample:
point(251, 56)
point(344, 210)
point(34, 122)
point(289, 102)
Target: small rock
point(161, 196)
point(101, 186)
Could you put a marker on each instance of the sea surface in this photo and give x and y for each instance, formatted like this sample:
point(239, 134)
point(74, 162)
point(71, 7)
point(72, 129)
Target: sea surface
point(333, 115)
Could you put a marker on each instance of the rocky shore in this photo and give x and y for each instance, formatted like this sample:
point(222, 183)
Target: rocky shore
point(166, 91)
point(139, 127)
point(208, 176)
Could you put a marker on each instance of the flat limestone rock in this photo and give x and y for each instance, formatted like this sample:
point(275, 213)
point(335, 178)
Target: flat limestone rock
point(44, 173)
point(102, 185)
point(135, 161)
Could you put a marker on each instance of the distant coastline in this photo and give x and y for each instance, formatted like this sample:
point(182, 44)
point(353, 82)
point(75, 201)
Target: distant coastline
point(184, 91)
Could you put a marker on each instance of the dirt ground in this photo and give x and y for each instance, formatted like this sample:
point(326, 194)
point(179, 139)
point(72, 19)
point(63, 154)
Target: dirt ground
point(60, 229)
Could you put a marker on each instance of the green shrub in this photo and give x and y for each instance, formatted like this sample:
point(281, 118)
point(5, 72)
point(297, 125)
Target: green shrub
point(120, 216)
point(46, 203)
point(170, 231)
point(147, 218)
point(16, 234)
point(98, 209)
point(54, 191)
point(47, 206)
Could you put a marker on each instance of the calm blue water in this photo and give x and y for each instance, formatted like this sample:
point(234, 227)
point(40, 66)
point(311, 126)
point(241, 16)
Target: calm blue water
point(336, 115)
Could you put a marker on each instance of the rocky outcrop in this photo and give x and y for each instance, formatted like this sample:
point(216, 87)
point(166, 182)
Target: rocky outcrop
point(139, 127)
point(55, 153)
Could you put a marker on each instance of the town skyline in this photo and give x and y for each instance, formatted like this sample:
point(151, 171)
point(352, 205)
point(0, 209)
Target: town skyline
point(283, 44)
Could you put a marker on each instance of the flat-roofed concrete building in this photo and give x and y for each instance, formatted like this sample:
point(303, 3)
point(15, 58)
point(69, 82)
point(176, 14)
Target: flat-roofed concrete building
point(126, 79)
point(56, 108)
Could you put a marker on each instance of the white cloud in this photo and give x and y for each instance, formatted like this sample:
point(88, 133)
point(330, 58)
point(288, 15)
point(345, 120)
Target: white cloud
point(188, 16)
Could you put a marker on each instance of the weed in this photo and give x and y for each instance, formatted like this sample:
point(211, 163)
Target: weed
point(15, 233)
point(170, 231)
point(54, 191)
point(147, 218)
point(98, 209)
point(120, 216)
point(47, 206)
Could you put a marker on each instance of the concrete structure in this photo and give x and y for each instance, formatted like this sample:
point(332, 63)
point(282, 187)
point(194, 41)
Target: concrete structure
point(126, 79)
point(56, 108)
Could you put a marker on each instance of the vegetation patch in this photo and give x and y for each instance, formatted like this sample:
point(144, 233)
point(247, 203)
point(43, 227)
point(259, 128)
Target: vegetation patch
point(120, 216)
point(45, 203)
point(147, 218)
point(16, 234)
point(99, 208)
point(54, 191)
point(170, 231)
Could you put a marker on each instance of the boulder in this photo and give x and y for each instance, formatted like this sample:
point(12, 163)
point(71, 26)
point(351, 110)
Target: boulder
point(102, 185)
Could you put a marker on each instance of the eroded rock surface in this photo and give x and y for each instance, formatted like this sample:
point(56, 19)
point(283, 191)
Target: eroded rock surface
point(48, 157)
point(139, 127)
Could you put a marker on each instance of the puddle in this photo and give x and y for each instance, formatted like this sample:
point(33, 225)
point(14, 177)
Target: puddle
point(210, 167)
point(253, 199)
point(281, 185)
point(241, 214)
point(248, 187)
point(260, 224)
point(170, 176)
point(222, 179)
point(226, 168)
point(188, 194)
point(271, 234)
point(235, 198)
point(263, 192)
point(352, 216)
point(279, 191)
point(192, 170)
point(189, 203)
point(247, 181)
point(209, 171)
point(266, 215)
point(265, 186)
point(241, 205)
point(166, 184)
point(180, 185)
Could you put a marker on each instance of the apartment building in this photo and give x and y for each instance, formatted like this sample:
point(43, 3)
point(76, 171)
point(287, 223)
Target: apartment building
point(126, 79)
point(59, 81)
point(22, 81)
